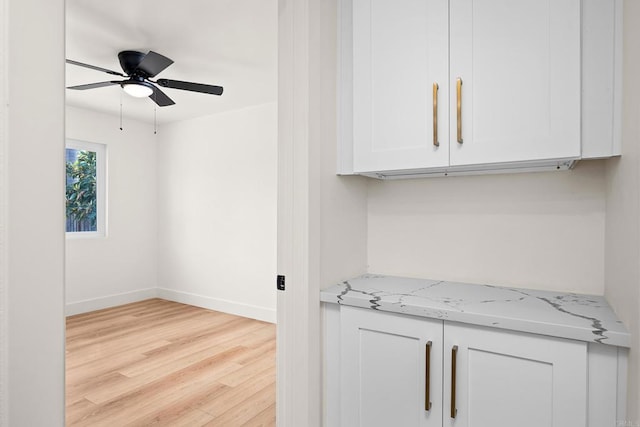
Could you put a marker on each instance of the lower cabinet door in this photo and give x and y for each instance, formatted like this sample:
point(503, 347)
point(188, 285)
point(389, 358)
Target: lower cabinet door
point(506, 379)
point(391, 369)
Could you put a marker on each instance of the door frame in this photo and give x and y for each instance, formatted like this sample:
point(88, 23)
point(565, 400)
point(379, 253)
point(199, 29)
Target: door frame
point(4, 271)
point(298, 349)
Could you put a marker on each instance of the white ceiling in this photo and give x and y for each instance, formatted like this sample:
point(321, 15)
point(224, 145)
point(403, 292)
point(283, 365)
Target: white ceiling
point(230, 43)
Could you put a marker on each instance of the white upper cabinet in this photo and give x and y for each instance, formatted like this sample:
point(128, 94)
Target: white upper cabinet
point(464, 86)
point(519, 65)
point(400, 51)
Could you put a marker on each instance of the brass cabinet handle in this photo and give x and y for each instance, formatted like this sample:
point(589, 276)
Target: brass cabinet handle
point(459, 107)
point(454, 354)
point(427, 377)
point(435, 115)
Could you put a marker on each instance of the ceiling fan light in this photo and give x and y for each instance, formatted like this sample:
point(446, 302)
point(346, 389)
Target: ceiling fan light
point(138, 90)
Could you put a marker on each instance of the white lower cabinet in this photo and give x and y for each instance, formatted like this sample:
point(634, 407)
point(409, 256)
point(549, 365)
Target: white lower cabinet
point(385, 377)
point(398, 370)
point(504, 379)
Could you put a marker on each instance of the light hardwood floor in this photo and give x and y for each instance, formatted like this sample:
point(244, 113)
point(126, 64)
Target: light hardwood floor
point(163, 363)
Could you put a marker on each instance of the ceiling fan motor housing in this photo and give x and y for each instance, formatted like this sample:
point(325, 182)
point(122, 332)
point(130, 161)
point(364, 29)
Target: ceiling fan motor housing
point(129, 61)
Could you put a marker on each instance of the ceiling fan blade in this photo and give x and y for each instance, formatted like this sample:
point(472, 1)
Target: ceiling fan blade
point(193, 87)
point(93, 67)
point(160, 98)
point(93, 85)
point(153, 63)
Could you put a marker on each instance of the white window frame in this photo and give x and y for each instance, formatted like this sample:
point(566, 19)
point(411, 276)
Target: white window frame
point(101, 187)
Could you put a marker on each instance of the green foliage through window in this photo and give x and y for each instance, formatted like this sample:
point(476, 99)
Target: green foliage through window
point(81, 190)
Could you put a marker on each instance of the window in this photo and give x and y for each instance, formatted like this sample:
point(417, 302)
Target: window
point(85, 189)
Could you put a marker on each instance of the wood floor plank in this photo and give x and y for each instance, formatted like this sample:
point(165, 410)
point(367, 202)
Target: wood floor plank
point(264, 418)
point(163, 363)
point(151, 401)
point(266, 334)
point(189, 418)
point(105, 322)
point(249, 370)
point(151, 308)
point(222, 338)
point(243, 413)
point(78, 390)
point(229, 397)
point(99, 363)
point(220, 365)
point(77, 410)
point(107, 332)
point(257, 352)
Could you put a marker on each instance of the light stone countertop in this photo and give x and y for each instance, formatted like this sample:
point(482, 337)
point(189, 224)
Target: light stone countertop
point(564, 315)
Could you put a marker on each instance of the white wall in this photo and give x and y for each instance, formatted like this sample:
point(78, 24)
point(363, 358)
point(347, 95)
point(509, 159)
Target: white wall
point(217, 211)
point(191, 214)
point(536, 230)
point(32, 213)
point(622, 271)
point(121, 267)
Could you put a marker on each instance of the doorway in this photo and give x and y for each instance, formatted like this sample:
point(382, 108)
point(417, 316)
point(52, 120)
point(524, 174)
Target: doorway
point(191, 187)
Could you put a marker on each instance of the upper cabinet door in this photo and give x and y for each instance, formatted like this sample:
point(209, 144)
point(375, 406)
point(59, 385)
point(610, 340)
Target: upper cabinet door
point(400, 50)
point(519, 66)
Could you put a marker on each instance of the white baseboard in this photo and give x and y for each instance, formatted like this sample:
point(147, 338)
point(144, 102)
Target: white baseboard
point(231, 307)
point(110, 301)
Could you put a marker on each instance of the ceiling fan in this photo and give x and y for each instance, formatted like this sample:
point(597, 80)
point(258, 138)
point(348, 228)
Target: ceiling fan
point(139, 68)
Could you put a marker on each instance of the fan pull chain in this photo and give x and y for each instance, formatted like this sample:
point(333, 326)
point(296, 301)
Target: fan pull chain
point(120, 110)
point(155, 113)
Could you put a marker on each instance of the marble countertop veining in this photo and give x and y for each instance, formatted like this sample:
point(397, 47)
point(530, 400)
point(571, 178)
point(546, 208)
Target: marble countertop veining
point(564, 315)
